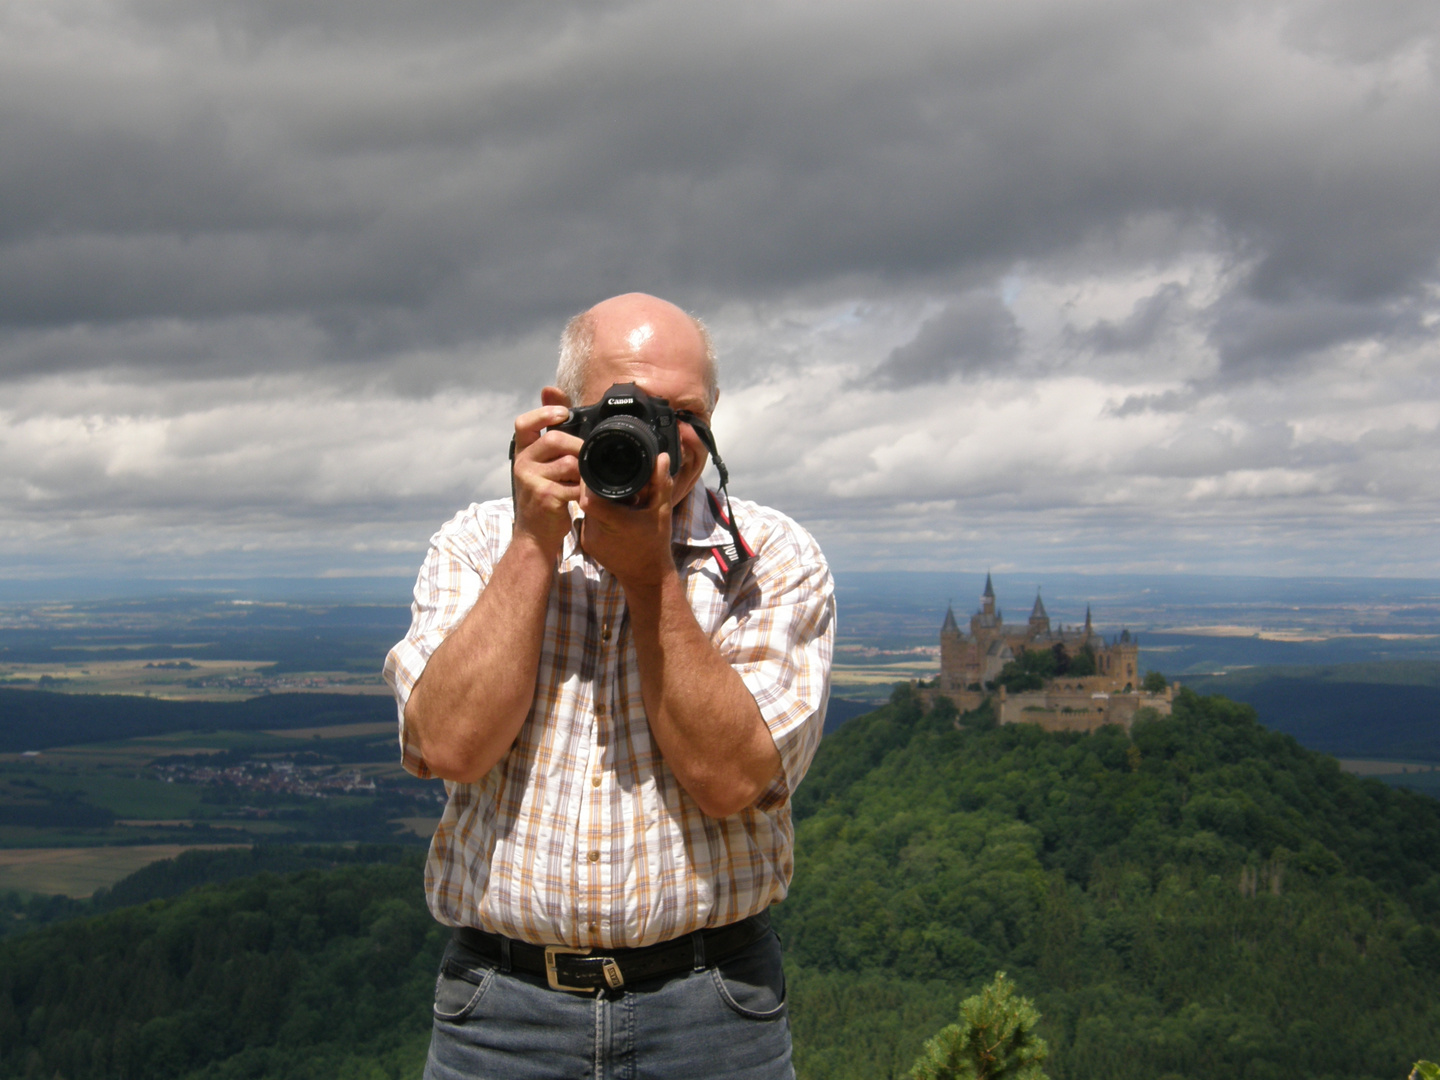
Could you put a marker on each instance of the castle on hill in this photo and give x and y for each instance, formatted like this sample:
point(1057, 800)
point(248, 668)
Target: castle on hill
point(971, 660)
point(1079, 701)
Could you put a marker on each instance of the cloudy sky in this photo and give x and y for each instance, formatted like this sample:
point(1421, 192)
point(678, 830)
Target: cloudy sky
point(1037, 285)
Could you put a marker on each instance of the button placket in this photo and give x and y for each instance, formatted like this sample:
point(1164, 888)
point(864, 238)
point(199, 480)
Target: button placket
point(612, 614)
point(590, 823)
point(593, 853)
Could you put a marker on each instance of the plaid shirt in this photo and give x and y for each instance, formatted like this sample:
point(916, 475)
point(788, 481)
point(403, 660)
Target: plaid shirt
point(581, 835)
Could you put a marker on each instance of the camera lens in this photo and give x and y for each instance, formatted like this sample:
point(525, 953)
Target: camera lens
point(618, 457)
point(616, 460)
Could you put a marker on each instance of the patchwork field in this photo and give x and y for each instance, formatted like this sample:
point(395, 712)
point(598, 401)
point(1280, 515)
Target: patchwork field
point(868, 672)
point(78, 871)
point(184, 679)
point(77, 817)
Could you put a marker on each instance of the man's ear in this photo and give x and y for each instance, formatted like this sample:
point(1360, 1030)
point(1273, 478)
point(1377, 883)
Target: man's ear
point(553, 395)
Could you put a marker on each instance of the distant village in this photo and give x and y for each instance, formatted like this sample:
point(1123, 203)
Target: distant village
point(253, 681)
point(1096, 680)
point(273, 777)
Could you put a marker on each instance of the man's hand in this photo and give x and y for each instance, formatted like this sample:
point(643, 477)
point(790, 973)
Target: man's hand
point(702, 717)
point(547, 477)
point(632, 540)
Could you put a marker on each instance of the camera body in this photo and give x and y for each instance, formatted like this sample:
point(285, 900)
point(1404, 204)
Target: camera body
point(624, 432)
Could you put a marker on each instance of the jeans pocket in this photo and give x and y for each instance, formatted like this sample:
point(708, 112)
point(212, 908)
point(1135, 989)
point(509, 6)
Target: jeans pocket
point(752, 982)
point(459, 987)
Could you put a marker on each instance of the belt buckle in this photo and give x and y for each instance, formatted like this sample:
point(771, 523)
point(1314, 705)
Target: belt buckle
point(552, 951)
point(609, 968)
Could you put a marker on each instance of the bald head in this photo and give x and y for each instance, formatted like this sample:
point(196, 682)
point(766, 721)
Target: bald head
point(642, 335)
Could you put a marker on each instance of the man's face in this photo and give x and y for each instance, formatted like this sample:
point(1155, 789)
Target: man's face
point(658, 348)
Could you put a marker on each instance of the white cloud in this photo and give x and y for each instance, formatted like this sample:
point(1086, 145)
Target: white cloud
point(1257, 484)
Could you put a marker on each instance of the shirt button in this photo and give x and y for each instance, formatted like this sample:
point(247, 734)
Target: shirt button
point(595, 781)
point(605, 632)
point(594, 856)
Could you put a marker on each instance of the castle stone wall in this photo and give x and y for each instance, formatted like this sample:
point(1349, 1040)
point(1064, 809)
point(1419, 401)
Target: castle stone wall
point(1059, 709)
point(1077, 710)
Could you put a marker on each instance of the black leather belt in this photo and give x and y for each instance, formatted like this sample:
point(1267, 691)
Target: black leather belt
point(585, 970)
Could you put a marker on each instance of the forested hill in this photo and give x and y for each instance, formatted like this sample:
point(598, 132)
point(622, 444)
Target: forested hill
point(319, 974)
point(1203, 899)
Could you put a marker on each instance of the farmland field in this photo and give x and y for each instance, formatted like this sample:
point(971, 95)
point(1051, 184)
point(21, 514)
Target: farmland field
point(78, 871)
point(119, 804)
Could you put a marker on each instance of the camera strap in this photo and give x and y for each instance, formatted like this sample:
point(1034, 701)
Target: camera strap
point(732, 558)
point(514, 503)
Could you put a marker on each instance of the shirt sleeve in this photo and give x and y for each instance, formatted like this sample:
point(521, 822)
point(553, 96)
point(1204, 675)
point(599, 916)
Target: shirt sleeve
point(457, 567)
point(780, 640)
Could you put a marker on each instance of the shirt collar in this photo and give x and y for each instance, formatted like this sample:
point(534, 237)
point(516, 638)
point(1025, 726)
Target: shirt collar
point(695, 524)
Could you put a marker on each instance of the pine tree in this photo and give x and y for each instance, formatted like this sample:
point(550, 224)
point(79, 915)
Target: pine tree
point(994, 1040)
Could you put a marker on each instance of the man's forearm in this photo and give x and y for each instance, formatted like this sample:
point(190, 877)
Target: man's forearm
point(702, 715)
point(477, 687)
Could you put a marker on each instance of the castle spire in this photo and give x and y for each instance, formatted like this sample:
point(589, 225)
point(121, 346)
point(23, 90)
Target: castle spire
point(950, 626)
point(1039, 620)
point(989, 588)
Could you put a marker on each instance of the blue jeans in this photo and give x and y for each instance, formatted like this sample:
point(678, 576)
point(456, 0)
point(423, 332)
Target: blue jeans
point(726, 1021)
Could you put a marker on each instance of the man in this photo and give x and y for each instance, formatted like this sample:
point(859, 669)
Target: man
point(621, 723)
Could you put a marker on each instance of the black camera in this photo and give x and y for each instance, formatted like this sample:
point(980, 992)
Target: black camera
point(624, 432)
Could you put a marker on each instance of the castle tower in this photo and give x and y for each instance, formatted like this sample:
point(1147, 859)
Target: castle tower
point(986, 624)
point(1039, 619)
point(1127, 660)
point(950, 626)
point(952, 649)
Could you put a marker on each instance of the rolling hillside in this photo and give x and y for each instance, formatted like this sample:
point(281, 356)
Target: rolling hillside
point(1373, 710)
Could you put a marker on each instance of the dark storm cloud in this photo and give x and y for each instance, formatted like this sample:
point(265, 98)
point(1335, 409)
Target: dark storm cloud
point(974, 333)
point(1150, 317)
point(447, 172)
point(1170, 401)
point(1255, 338)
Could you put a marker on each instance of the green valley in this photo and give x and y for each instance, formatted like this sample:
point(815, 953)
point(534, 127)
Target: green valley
point(123, 772)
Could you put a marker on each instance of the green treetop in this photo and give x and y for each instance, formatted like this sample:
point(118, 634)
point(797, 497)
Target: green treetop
point(994, 1040)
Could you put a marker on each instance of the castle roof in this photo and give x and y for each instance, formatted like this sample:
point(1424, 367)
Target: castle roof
point(989, 588)
point(1038, 611)
point(950, 624)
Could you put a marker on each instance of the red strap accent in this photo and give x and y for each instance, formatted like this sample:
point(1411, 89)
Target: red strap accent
point(729, 557)
point(716, 508)
point(719, 510)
